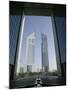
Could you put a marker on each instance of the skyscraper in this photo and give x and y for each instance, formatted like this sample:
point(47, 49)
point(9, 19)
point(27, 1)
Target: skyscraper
point(30, 52)
point(44, 49)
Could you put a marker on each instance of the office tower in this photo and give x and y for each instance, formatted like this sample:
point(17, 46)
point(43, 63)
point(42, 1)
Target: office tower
point(30, 52)
point(29, 68)
point(44, 49)
point(21, 70)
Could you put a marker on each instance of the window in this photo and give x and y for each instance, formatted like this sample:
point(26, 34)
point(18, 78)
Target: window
point(43, 54)
point(37, 51)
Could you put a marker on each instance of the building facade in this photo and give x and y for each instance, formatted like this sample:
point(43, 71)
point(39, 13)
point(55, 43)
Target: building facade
point(44, 49)
point(30, 52)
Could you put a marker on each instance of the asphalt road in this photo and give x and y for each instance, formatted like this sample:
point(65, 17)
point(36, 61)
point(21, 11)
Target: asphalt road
point(27, 82)
point(46, 81)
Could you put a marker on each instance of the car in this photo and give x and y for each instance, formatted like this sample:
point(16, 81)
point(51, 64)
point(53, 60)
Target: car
point(38, 82)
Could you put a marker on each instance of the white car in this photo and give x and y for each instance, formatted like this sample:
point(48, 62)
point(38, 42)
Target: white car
point(38, 82)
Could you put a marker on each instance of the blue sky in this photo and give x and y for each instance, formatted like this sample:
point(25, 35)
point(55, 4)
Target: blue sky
point(39, 24)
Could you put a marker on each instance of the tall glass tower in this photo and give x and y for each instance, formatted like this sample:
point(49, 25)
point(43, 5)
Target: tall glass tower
point(30, 52)
point(44, 49)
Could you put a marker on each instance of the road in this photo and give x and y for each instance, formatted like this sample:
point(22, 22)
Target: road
point(46, 81)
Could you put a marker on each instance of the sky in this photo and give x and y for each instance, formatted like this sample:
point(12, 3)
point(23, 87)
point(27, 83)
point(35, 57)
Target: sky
point(39, 24)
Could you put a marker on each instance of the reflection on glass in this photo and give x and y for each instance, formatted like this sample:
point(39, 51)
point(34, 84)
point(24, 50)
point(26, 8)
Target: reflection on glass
point(38, 53)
